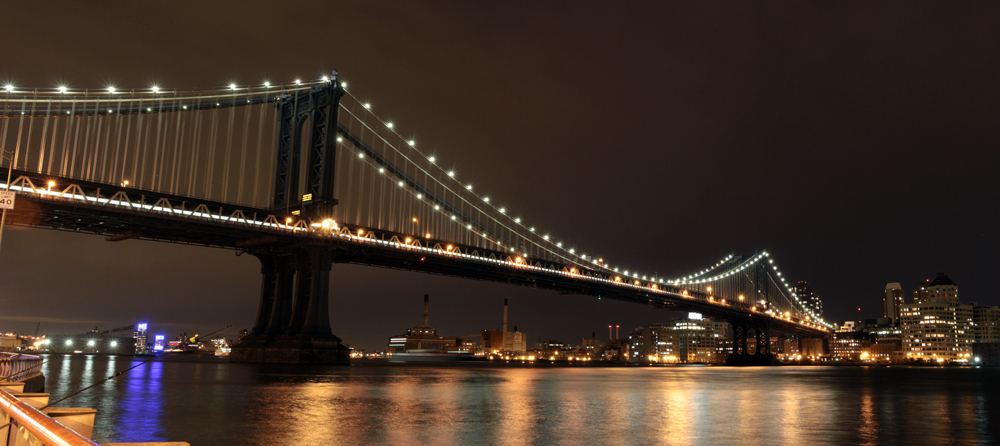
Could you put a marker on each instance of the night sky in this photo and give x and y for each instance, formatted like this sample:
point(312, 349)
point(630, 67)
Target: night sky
point(856, 142)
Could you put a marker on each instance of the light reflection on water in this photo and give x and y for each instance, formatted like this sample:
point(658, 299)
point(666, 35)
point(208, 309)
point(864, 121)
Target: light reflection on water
point(207, 401)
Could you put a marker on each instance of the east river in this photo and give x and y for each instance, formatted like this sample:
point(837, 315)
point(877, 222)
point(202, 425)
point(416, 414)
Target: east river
point(208, 401)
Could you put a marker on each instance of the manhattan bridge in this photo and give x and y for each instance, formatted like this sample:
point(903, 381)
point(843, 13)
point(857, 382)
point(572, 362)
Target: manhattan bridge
point(304, 175)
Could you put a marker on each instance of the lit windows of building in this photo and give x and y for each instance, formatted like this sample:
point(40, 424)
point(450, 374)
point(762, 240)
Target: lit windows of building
point(936, 326)
point(691, 340)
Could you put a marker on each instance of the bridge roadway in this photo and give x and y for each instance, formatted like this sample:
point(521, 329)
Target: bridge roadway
point(121, 213)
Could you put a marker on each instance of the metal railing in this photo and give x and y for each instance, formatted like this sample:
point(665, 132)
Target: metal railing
point(17, 367)
point(21, 421)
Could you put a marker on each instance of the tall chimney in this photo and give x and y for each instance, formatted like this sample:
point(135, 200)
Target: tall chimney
point(427, 298)
point(609, 334)
point(616, 331)
point(505, 315)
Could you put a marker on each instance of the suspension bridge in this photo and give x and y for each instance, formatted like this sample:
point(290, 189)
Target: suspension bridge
point(304, 175)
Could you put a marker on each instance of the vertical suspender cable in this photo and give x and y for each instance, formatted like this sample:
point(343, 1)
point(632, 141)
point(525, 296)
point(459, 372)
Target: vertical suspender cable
point(229, 148)
point(260, 139)
point(45, 132)
point(210, 167)
point(243, 153)
point(175, 166)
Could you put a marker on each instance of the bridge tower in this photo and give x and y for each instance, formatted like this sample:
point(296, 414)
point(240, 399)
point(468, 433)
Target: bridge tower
point(293, 320)
point(760, 326)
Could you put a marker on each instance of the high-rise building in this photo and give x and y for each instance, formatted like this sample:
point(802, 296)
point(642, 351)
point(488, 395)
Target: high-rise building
point(891, 301)
point(936, 327)
point(812, 302)
point(987, 320)
point(690, 340)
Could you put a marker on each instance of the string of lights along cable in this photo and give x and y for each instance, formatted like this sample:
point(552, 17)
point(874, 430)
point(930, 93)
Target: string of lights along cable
point(219, 145)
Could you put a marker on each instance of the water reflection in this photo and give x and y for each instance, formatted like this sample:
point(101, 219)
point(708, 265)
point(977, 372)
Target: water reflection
point(207, 401)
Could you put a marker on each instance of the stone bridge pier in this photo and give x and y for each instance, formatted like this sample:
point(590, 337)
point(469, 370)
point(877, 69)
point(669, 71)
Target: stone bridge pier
point(759, 342)
point(293, 320)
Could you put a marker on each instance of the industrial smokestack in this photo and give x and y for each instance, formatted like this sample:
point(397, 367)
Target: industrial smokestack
point(616, 331)
point(505, 315)
point(593, 335)
point(427, 298)
point(609, 334)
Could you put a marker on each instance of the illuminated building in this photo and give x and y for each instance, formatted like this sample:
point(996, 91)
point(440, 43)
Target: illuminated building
point(140, 338)
point(691, 340)
point(936, 327)
point(987, 320)
point(496, 341)
point(805, 293)
point(422, 338)
point(850, 345)
point(887, 344)
point(891, 301)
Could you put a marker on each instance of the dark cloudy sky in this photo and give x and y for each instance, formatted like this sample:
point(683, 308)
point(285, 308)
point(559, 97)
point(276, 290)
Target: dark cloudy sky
point(857, 142)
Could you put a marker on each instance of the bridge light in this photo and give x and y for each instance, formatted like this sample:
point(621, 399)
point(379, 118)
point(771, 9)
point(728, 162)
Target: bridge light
point(486, 199)
point(232, 86)
point(51, 183)
point(114, 343)
point(69, 342)
point(431, 159)
point(381, 170)
point(401, 184)
point(517, 220)
point(325, 79)
point(9, 88)
point(469, 187)
point(412, 143)
point(62, 89)
point(340, 139)
point(111, 90)
point(343, 84)
point(367, 106)
point(427, 235)
point(298, 82)
point(388, 124)
point(90, 343)
point(267, 84)
point(741, 297)
point(288, 220)
point(408, 240)
point(414, 219)
point(420, 196)
point(361, 155)
point(361, 232)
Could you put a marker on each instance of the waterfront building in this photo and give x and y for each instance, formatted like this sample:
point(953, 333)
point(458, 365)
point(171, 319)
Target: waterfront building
point(987, 320)
point(850, 345)
point(691, 340)
point(784, 347)
point(805, 293)
point(503, 341)
point(812, 347)
point(936, 326)
point(891, 301)
point(422, 338)
point(886, 336)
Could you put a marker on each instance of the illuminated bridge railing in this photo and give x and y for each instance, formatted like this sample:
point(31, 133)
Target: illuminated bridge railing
point(16, 367)
point(23, 424)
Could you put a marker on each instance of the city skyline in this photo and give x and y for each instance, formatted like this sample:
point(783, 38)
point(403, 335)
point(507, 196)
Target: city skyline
point(835, 163)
